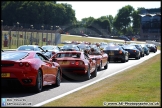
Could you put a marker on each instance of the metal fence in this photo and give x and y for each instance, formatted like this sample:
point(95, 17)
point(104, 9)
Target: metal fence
point(16, 37)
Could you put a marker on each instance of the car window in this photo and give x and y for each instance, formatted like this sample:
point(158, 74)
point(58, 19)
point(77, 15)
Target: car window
point(36, 49)
point(61, 55)
point(42, 57)
point(47, 47)
point(26, 48)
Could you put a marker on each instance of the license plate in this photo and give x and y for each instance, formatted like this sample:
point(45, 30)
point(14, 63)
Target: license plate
point(5, 75)
point(111, 53)
point(64, 63)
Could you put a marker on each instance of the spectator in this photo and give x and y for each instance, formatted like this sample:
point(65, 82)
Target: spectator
point(5, 37)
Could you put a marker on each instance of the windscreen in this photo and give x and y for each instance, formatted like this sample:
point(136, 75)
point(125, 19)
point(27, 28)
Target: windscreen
point(129, 47)
point(111, 48)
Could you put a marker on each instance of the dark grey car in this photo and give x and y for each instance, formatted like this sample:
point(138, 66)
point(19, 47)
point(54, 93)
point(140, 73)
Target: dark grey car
point(139, 47)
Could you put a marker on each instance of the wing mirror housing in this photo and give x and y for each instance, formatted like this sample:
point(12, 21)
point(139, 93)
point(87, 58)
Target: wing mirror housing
point(90, 59)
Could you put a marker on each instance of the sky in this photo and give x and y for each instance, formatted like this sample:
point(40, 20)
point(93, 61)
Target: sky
point(96, 9)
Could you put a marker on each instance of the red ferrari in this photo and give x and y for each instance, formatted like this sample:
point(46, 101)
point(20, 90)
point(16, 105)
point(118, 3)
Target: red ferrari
point(28, 69)
point(76, 65)
point(101, 60)
point(100, 57)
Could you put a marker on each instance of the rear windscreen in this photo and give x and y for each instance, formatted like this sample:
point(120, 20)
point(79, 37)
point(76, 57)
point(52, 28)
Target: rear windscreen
point(129, 47)
point(111, 48)
point(13, 55)
point(74, 55)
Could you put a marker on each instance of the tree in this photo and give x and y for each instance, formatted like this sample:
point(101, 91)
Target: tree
point(87, 21)
point(129, 30)
point(123, 18)
point(136, 20)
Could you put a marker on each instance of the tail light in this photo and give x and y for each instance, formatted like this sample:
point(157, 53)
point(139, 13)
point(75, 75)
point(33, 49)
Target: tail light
point(120, 51)
point(24, 64)
point(76, 63)
point(134, 50)
point(27, 64)
point(21, 64)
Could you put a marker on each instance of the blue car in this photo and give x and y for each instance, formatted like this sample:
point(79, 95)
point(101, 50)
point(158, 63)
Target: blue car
point(146, 49)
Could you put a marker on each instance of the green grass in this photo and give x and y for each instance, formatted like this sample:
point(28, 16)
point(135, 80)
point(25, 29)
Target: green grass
point(138, 84)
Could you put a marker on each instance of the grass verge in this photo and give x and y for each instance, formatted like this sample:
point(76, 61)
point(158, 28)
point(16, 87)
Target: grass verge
point(138, 84)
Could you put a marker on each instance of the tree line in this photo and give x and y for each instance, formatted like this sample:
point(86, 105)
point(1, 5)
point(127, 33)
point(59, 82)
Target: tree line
point(127, 20)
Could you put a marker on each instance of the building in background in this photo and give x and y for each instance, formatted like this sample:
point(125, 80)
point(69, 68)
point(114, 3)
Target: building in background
point(150, 24)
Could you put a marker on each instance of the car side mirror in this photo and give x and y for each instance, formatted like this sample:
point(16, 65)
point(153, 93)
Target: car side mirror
point(54, 58)
point(90, 60)
point(46, 50)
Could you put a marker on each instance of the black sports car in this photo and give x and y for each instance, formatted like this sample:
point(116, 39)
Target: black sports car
point(152, 47)
point(133, 51)
point(116, 53)
point(139, 47)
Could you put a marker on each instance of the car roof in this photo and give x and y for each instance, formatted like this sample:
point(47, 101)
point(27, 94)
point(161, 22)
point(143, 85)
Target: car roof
point(31, 51)
point(70, 52)
point(30, 45)
point(50, 45)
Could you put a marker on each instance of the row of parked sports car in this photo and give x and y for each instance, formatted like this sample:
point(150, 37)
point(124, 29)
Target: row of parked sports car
point(34, 66)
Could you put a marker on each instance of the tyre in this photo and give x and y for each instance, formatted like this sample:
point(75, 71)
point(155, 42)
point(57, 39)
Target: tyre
point(58, 78)
point(88, 74)
point(94, 73)
point(106, 66)
point(123, 60)
point(39, 83)
point(137, 58)
point(127, 59)
point(100, 66)
point(143, 55)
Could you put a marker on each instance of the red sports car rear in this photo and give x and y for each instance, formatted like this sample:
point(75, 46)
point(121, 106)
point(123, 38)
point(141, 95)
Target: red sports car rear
point(28, 69)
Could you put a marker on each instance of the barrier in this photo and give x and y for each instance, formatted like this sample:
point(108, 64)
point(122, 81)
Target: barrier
point(153, 42)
